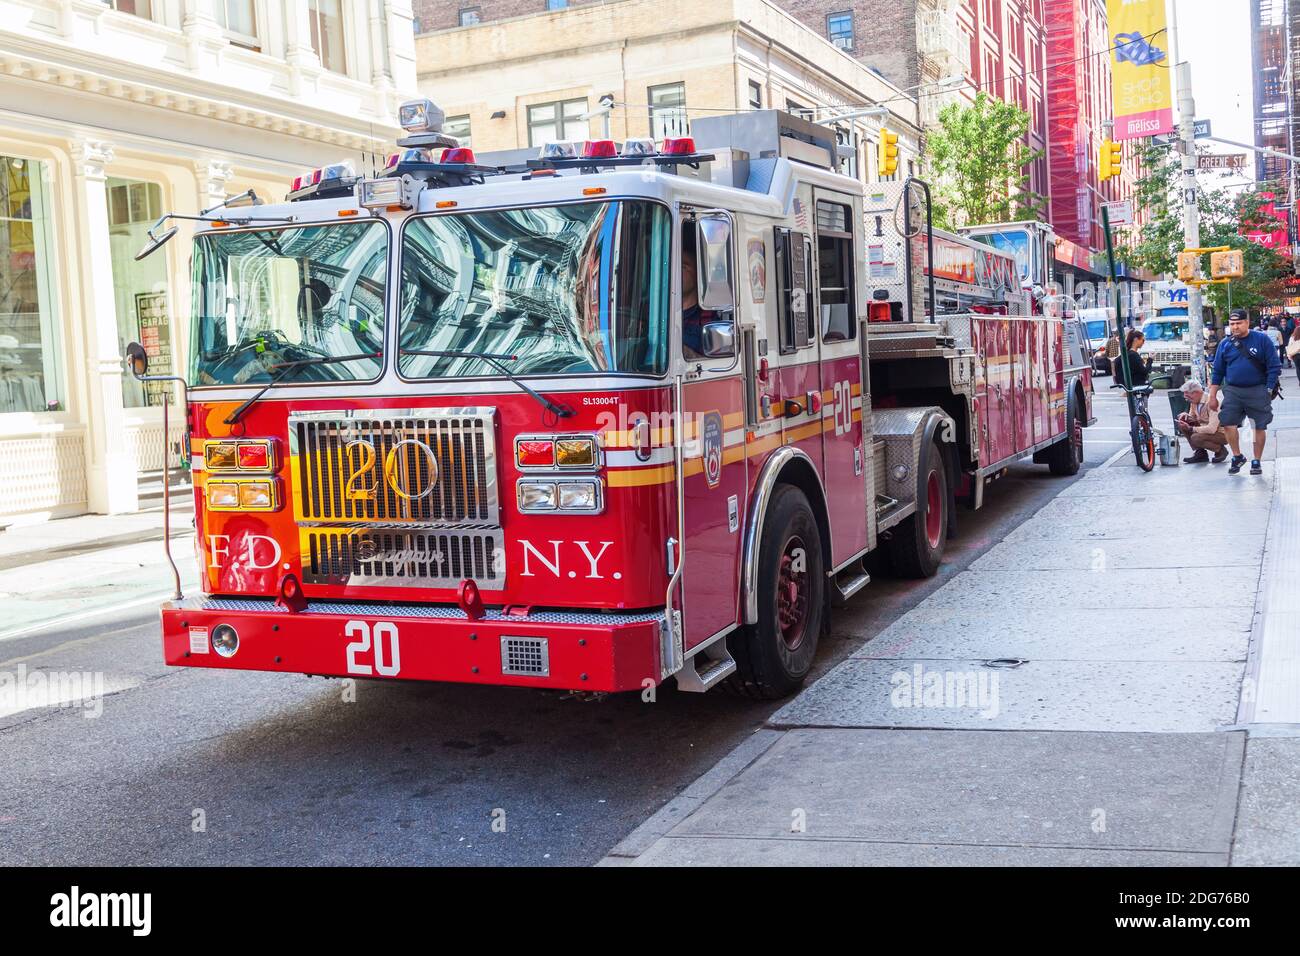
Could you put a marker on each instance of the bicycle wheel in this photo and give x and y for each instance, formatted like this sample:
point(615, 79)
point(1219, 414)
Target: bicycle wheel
point(1144, 441)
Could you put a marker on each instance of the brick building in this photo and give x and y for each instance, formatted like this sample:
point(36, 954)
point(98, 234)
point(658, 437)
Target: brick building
point(517, 82)
point(1078, 76)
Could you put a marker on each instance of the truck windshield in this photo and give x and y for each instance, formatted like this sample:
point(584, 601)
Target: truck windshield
point(565, 289)
point(266, 297)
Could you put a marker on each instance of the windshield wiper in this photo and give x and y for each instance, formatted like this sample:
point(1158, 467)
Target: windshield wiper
point(498, 362)
point(287, 367)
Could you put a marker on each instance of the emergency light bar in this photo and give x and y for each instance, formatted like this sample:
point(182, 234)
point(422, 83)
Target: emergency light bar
point(336, 179)
point(595, 153)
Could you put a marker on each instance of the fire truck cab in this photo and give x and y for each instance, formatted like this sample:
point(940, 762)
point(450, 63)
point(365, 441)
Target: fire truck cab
point(591, 420)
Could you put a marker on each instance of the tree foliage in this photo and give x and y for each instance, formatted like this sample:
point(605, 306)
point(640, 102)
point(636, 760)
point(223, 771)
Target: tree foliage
point(979, 162)
point(1224, 216)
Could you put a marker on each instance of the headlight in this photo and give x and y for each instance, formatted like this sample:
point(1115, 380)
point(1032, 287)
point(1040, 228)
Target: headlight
point(536, 495)
point(579, 496)
point(223, 494)
point(255, 495)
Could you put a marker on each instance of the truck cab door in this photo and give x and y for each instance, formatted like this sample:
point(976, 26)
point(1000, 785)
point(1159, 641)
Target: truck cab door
point(713, 417)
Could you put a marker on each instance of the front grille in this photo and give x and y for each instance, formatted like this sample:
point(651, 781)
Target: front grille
point(354, 467)
point(403, 558)
point(528, 656)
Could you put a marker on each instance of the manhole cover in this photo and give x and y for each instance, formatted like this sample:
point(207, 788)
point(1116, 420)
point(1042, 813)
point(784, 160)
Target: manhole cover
point(1006, 663)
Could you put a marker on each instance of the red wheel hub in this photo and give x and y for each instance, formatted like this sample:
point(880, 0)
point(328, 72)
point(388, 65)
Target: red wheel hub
point(933, 510)
point(792, 593)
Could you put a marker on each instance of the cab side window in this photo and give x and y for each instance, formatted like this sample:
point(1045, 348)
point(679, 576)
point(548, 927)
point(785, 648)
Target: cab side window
point(835, 271)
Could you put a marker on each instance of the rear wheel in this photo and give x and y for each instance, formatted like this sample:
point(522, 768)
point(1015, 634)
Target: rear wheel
point(916, 545)
point(774, 656)
point(1065, 457)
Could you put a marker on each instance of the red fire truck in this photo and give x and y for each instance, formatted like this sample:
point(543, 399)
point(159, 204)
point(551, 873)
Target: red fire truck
point(593, 419)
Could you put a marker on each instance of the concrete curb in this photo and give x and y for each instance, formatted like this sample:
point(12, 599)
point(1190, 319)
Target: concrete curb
point(689, 800)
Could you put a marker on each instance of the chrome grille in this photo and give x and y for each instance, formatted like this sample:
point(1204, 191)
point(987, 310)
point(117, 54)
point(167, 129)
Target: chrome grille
point(403, 558)
point(528, 656)
point(444, 460)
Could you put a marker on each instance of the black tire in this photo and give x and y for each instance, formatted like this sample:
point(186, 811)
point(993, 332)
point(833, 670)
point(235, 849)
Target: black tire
point(773, 660)
point(1065, 457)
point(1144, 441)
point(916, 544)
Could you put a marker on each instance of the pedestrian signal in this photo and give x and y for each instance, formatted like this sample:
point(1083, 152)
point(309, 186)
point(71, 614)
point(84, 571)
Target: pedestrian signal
point(1227, 265)
point(1189, 264)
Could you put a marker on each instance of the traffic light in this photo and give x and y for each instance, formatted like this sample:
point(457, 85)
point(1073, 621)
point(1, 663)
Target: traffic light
point(888, 152)
point(1111, 159)
point(1189, 264)
point(1227, 265)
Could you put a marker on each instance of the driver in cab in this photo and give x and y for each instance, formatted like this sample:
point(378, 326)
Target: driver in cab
point(693, 317)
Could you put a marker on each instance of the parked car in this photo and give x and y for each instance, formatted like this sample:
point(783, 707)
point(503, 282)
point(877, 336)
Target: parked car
point(1100, 325)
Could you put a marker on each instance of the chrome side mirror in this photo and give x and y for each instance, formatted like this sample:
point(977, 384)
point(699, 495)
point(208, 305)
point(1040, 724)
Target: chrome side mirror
point(718, 339)
point(713, 237)
point(137, 360)
point(155, 242)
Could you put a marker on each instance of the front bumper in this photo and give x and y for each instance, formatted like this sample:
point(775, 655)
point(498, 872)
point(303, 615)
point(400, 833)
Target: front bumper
point(577, 650)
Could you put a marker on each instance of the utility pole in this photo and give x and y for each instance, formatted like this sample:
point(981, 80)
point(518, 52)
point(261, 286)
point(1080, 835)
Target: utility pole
point(1191, 209)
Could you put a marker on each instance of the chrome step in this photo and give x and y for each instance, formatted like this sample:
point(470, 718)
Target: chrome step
point(706, 668)
point(849, 582)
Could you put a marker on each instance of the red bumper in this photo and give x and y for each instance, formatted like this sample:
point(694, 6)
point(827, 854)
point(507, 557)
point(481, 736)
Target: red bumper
point(577, 651)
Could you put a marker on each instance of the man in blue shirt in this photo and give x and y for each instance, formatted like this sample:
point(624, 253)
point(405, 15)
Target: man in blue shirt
point(1246, 367)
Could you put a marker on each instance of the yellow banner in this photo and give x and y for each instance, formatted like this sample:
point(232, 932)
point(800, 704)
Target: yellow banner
point(1140, 65)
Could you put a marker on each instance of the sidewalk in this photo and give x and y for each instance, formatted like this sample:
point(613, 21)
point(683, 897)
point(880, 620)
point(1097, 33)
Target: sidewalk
point(74, 569)
point(1117, 682)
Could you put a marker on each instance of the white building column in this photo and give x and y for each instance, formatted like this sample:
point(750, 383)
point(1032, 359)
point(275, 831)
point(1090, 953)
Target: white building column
point(204, 38)
point(212, 176)
point(301, 56)
point(111, 479)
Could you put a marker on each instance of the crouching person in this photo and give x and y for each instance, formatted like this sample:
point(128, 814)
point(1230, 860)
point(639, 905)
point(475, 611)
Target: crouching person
point(1200, 426)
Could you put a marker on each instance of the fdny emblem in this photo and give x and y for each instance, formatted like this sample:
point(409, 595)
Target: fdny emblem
point(711, 436)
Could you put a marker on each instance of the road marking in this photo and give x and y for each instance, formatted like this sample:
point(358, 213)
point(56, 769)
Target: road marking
point(84, 615)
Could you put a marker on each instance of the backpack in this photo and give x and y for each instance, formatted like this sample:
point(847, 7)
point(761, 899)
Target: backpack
point(1260, 364)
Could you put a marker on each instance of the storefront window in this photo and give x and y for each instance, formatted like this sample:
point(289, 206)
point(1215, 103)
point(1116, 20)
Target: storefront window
point(29, 366)
point(140, 288)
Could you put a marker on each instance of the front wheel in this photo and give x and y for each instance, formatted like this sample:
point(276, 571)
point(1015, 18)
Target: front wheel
point(774, 656)
point(1144, 441)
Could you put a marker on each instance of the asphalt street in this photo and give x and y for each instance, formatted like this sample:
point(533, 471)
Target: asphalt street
point(186, 766)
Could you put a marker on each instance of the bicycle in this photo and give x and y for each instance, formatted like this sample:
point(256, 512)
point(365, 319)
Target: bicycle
point(1141, 430)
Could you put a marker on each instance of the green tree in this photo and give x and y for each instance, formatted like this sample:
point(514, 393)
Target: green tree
point(979, 162)
point(1156, 243)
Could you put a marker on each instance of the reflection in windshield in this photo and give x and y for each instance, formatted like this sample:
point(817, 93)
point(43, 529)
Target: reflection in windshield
point(574, 288)
point(1164, 331)
point(270, 296)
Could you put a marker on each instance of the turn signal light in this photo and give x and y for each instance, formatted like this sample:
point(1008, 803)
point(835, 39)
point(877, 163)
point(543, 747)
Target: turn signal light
point(238, 456)
point(220, 456)
point(575, 453)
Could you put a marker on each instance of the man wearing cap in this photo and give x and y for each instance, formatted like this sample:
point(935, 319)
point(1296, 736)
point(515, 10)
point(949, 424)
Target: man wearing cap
point(1246, 368)
point(1200, 426)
